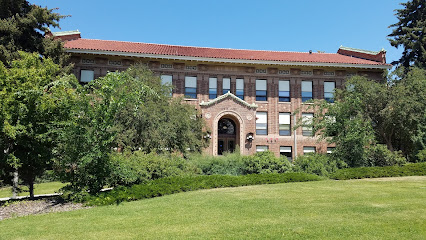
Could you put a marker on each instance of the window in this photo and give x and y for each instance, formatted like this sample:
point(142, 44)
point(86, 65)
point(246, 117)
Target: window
point(330, 150)
point(191, 87)
point(284, 122)
point(261, 123)
point(284, 91)
point(240, 88)
point(167, 80)
point(261, 93)
point(87, 76)
point(329, 91)
point(212, 88)
point(307, 150)
point(306, 91)
point(261, 148)
point(307, 124)
point(226, 85)
point(286, 151)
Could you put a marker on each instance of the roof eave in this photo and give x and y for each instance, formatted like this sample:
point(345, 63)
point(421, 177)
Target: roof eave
point(226, 60)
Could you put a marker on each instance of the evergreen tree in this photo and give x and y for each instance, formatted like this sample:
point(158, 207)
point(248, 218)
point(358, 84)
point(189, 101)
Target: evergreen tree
point(409, 32)
point(23, 27)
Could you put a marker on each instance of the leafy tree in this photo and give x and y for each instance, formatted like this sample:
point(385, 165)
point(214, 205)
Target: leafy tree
point(366, 113)
point(32, 98)
point(124, 110)
point(22, 28)
point(409, 32)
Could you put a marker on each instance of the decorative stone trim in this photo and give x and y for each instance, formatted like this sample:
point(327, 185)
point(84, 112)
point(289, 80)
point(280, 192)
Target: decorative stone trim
point(228, 94)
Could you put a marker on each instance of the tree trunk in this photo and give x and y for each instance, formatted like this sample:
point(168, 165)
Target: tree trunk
point(31, 188)
point(15, 184)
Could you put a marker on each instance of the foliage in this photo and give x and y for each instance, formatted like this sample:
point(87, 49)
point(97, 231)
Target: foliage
point(378, 155)
point(228, 164)
point(170, 185)
point(367, 112)
point(33, 98)
point(154, 123)
point(127, 110)
point(319, 164)
point(421, 156)
point(265, 162)
point(409, 32)
point(22, 28)
point(411, 169)
point(138, 167)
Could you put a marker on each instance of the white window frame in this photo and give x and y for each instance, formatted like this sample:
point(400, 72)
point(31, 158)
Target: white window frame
point(307, 87)
point(261, 123)
point(307, 120)
point(239, 88)
point(309, 149)
point(226, 85)
point(262, 148)
point(212, 88)
point(87, 75)
point(261, 90)
point(284, 122)
point(284, 150)
point(190, 86)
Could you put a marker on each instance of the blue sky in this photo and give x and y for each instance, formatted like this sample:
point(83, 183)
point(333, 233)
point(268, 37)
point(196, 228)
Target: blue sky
point(284, 25)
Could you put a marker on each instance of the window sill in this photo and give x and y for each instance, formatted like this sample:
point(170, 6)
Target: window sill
point(190, 99)
point(284, 102)
point(261, 102)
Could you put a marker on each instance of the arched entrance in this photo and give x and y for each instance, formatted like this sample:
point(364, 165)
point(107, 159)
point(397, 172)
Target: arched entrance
point(227, 132)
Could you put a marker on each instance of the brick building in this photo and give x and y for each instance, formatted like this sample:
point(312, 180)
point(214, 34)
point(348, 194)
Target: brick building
point(248, 98)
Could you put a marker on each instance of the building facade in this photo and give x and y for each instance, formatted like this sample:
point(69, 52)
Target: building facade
point(249, 99)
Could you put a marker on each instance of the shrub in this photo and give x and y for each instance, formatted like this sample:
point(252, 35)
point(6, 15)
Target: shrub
point(319, 164)
point(137, 167)
point(421, 156)
point(379, 155)
point(170, 185)
point(411, 169)
point(228, 164)
point(265, 162)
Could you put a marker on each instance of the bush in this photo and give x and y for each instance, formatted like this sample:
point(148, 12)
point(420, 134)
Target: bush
point(137, 167)
point(379, 155)
point(319, 164)
point(170, 185)
point(228, 164)
point(411, 169)
point(265, 162)
point(421, 156)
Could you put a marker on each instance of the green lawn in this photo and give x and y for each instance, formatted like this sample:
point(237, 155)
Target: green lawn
point(42, 188)
point(394, 208)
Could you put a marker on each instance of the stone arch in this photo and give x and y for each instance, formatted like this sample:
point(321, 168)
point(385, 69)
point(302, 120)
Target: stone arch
point(233, 115)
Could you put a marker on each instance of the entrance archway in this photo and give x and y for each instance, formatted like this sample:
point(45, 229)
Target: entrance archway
point(228, 135)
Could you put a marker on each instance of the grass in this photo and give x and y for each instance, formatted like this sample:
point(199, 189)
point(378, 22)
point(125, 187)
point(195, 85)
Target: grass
point(393, 208)
point(42, 188)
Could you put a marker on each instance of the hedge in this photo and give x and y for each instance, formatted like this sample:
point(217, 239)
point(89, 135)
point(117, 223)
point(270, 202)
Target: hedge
point(170, 185)
point(411, 169)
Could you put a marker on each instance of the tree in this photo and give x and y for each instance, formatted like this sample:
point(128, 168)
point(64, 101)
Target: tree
point(23, 27)
point(409, 32)
point(124, 110)
point(366, 113)
point(32, 98)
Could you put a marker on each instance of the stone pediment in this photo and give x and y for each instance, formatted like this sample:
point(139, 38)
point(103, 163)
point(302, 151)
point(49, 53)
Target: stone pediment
point(228, 96)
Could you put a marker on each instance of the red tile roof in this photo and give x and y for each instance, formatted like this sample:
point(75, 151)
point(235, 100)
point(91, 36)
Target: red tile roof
point(220, 53)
